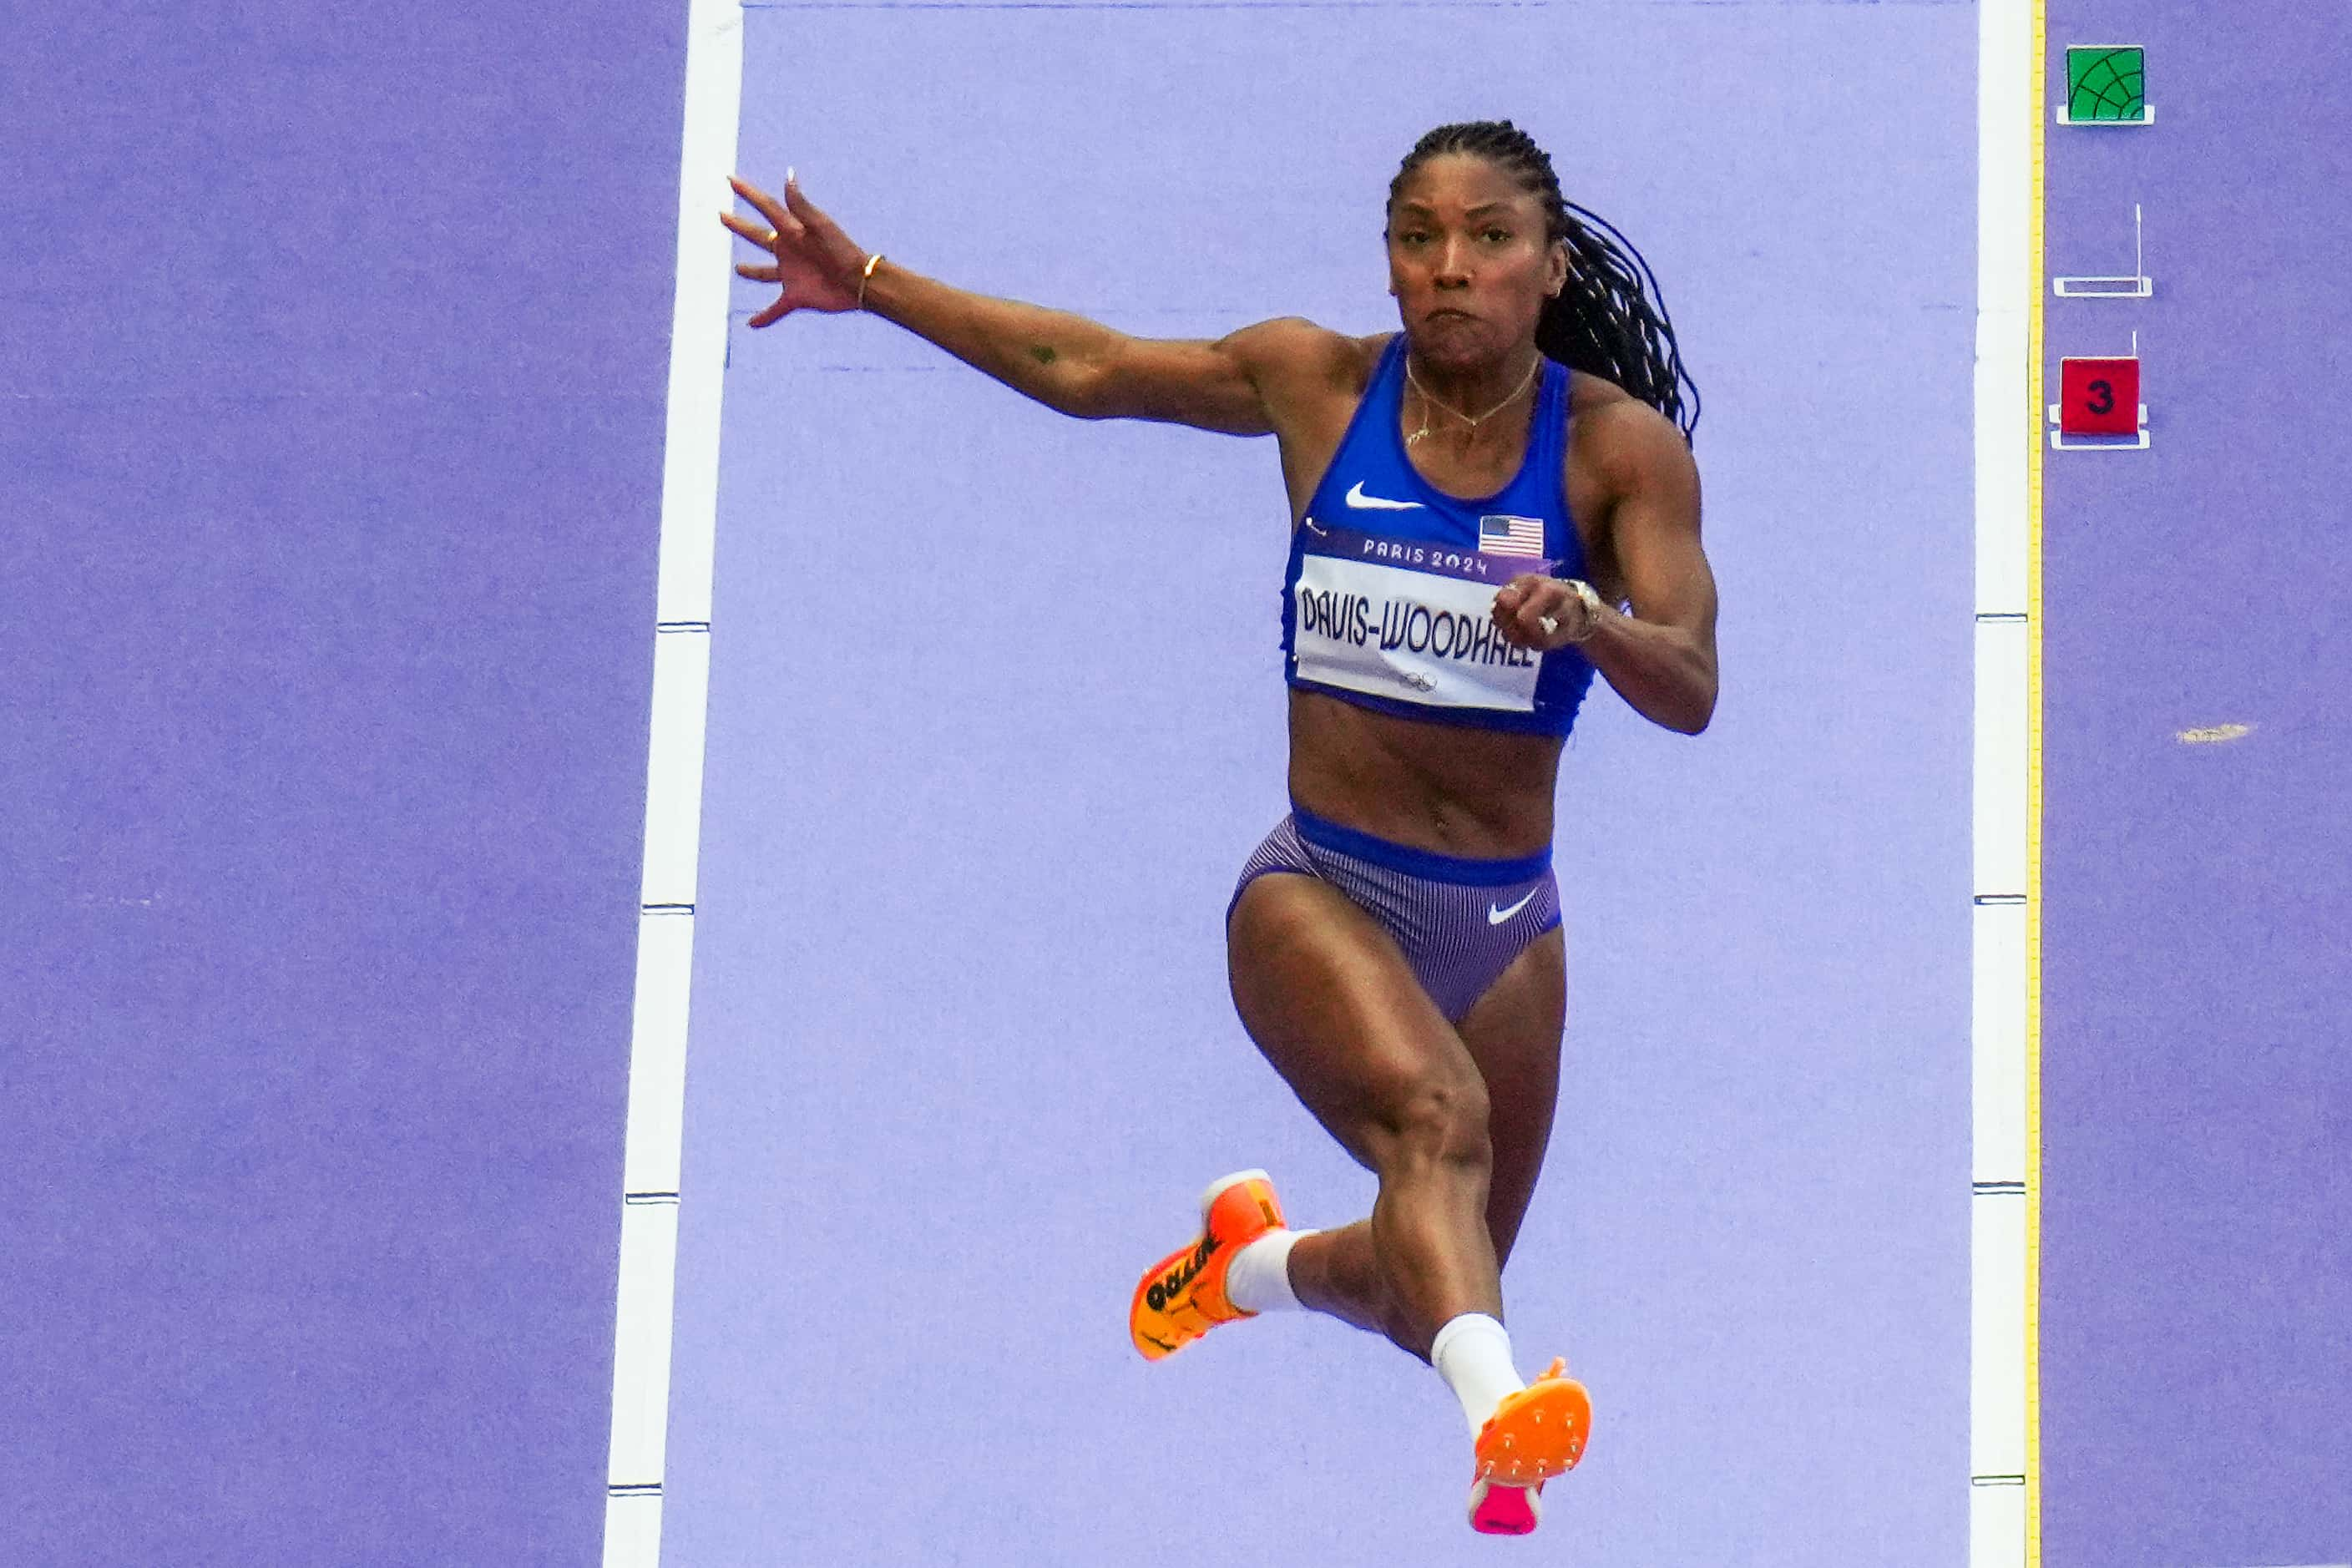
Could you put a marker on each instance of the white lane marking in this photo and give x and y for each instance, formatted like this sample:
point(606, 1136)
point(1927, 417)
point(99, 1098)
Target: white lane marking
point(646, 1283)
point(2001, 1356)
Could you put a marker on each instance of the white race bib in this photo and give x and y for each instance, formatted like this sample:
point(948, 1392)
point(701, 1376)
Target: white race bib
point(1414, 636)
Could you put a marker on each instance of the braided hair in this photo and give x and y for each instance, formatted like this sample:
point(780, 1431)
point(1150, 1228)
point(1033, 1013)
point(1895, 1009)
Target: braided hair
point(1604, 322)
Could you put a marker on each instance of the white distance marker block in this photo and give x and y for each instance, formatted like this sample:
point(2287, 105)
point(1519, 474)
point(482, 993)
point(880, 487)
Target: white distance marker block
point(2137, 286)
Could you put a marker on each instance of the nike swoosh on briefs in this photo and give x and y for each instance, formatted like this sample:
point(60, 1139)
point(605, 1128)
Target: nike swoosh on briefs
point(1357, 498)
point(1496, 917)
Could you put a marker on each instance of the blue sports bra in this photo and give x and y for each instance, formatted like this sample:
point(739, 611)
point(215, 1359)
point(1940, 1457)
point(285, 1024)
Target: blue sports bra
point(1387, 600)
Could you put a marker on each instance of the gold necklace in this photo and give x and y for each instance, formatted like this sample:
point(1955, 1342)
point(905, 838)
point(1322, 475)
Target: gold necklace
point(1474, 422)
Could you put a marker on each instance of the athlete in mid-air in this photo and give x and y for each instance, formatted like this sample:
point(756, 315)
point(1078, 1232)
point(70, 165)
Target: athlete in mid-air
point(1485, 508)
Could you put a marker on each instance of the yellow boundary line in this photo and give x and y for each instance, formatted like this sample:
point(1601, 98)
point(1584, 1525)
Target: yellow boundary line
point(2039, 101)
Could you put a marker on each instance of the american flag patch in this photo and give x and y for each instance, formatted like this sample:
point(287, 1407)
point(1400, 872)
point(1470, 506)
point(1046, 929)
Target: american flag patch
point(1502, 535)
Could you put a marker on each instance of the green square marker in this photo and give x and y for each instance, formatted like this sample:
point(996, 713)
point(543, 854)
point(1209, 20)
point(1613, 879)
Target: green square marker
point(2106, 83)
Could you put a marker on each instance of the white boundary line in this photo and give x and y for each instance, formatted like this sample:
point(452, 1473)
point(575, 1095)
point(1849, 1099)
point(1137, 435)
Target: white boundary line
point(650, 1207)
point(2008, 107)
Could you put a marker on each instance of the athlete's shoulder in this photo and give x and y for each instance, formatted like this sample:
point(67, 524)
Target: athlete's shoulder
point(1620, 434)
point(1589, 394)
point(1293, 350)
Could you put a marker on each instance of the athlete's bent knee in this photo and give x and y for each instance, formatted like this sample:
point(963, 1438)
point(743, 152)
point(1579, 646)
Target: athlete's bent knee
point(1441, 1118)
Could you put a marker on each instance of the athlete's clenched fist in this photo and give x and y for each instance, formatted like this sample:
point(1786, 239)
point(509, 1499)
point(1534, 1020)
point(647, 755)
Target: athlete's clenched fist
point(1547, 613)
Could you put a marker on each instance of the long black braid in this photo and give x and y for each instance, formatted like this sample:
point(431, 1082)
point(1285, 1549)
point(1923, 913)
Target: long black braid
point(1605, 321)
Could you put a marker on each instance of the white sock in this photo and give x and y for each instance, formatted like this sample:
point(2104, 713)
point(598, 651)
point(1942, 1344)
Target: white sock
point(1473, 1355)
point(1258, 1280)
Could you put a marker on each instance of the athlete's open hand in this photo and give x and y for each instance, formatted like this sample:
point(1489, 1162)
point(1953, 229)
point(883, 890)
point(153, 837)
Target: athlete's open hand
point(818, 266)
point(1542, 613)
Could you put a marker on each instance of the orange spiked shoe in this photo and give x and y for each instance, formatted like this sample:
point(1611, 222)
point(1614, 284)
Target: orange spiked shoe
point(1534, 1435)
point(1182, 1295)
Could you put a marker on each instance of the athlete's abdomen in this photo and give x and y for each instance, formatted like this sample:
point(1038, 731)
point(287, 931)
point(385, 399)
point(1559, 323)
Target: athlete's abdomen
point(1455, 788)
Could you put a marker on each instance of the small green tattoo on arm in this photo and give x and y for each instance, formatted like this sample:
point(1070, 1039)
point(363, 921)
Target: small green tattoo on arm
point(1042, 353)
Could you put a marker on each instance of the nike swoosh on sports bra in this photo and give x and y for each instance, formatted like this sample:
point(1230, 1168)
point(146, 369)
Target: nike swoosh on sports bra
point(1387, 600)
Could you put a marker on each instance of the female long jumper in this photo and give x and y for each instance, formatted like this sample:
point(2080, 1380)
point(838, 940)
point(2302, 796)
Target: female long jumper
point(1488, 508)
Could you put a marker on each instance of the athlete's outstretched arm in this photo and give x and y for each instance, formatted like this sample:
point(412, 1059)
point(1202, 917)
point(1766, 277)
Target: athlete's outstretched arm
point(1065, 362)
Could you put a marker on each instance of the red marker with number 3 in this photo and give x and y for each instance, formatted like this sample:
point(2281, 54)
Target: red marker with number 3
point(2098, 398)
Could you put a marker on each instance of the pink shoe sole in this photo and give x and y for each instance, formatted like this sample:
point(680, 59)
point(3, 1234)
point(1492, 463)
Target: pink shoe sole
point(1497, 1510)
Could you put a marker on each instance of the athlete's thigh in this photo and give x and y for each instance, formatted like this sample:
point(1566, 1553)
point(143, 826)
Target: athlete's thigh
point(1332, 1004)
point(1513, 1032)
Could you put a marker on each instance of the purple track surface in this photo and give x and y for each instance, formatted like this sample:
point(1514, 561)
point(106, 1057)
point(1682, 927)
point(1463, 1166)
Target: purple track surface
point(2197, 1166)
point(335, 348)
